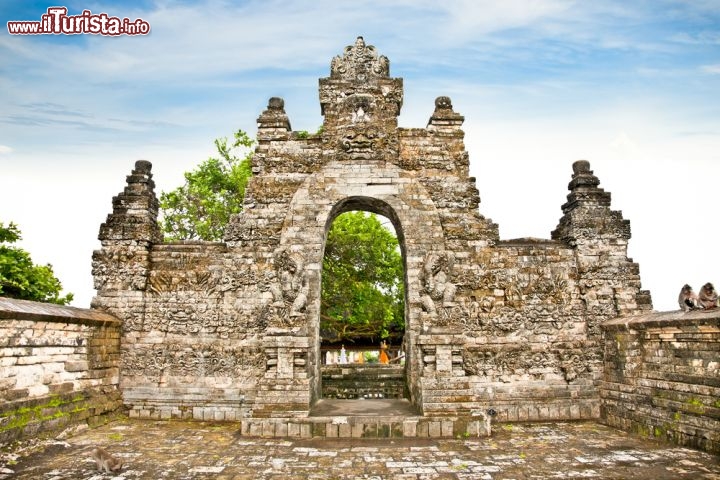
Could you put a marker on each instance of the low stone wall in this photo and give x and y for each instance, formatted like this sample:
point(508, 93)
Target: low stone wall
point(662, 377)
point(59, 366)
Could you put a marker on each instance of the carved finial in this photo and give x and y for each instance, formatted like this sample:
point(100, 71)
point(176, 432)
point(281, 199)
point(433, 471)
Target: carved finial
point(443, 103)
point(143, 167)
point(581, 166)
point(276, 103)
point(274, 120)
point(584, 190)
point(359, 62)
point(582, 176)
point(444, 118)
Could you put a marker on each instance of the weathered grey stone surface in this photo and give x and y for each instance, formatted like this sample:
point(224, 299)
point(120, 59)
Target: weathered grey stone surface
point(183, 451)
point(662, 376)
point(58, 366)
point(231, 330)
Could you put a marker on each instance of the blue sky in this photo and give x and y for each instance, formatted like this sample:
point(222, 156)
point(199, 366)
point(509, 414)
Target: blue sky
point(633, 87)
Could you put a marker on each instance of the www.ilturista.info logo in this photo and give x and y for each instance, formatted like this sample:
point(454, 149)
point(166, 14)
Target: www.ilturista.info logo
point(57, 22)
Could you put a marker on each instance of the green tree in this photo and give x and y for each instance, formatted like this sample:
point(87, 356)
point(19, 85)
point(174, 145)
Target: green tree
point(20, 277)
point(201, 208)
point(362, 281)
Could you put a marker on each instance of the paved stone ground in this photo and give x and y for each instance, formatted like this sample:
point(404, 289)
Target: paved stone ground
point(186, 450)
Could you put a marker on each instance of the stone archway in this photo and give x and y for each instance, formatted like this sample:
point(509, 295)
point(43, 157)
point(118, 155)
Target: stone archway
point(376, 187)
point(229, 330)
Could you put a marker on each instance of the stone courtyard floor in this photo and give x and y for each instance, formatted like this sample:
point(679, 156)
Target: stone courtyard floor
point(193, 450)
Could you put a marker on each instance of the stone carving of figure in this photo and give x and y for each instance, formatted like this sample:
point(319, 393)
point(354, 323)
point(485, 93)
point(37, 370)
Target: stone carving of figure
point(435, 277)
point(293, 286)
point(382, 66)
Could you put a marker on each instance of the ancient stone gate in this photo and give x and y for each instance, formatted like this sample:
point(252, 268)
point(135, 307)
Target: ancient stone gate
point(231, 330)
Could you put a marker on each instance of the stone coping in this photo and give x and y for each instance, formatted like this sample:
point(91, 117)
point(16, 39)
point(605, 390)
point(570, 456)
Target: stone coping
point(196, 245)
point(677, 318)
point(530, 241)
point(14, 309)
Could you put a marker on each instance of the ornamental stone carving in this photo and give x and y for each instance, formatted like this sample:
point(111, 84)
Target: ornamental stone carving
point(360, 62)
point(438, 290)
point(291, 290)
point(208, 324)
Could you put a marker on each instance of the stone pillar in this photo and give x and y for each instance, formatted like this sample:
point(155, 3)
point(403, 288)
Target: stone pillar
point(609, 281)
point(127, 236)
point(273, 122)
point(284, 391)
point(444, 387)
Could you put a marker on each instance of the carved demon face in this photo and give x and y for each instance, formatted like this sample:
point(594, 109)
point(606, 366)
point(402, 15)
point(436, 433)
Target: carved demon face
point(359, 142)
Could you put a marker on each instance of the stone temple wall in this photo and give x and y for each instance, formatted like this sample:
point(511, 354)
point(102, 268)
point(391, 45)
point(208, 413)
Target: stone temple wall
point(59, 367)
point(662, 377)
point(231, 330)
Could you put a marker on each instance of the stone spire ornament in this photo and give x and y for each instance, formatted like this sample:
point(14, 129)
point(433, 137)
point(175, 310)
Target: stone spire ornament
point(359, 62)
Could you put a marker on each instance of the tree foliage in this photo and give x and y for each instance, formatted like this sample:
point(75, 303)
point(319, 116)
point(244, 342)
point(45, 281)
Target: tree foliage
point(20, 277)
point(201, 208)
point(362, 295)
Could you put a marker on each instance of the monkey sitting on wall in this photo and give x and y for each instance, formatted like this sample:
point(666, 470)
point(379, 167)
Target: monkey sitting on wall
point(687, 298)
point(708, 297)
point(105, 461)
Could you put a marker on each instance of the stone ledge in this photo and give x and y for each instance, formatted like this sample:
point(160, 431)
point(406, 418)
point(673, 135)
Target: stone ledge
point(13, 309)
point(676, 318)
point(376, 426)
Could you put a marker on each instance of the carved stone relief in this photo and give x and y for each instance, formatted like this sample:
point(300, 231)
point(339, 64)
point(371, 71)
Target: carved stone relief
point(293, 283)
point(438, 292)
point(508, 363)
point(119, 268)
point(193, 360)
point(359, 62)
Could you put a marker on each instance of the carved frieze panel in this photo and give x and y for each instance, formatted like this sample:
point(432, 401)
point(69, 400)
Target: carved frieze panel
point(194, 360)
point(179, 314)
point(120, 268)
point(508, 363)
point(366, 142)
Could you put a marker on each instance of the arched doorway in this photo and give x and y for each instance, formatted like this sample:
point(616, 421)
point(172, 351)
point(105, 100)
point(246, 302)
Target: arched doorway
point(371, 186)
point(362, 312)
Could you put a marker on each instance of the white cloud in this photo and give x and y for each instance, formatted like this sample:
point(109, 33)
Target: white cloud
point(487, 16)
point(714, 69)
point(622, 142)
point(4, 149)
point(699, 38)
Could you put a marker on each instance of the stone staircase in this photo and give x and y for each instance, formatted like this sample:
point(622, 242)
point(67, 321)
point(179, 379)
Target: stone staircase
point(354, 381)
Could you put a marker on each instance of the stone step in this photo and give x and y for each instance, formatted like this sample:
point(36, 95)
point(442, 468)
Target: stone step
point(375, 426)
point(363, 381)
